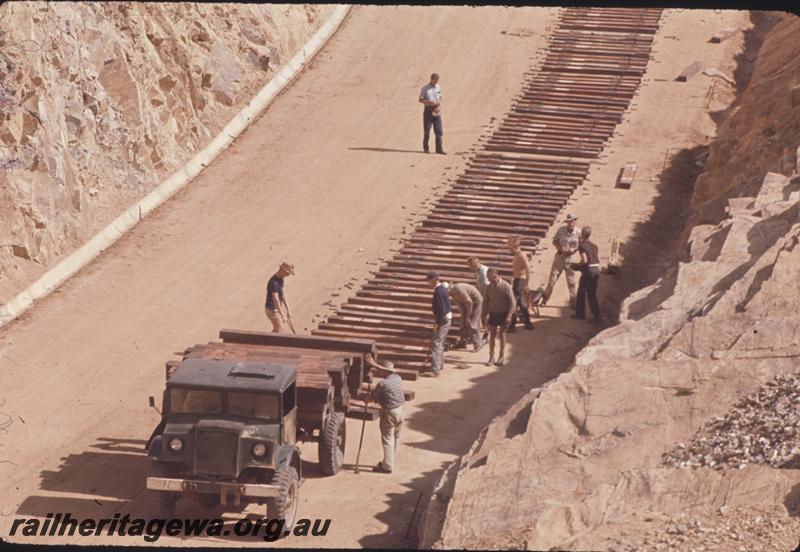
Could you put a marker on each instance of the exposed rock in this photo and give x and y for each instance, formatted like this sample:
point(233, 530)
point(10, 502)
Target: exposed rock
point(716, 328)
point(760, 127)
point(101, 101)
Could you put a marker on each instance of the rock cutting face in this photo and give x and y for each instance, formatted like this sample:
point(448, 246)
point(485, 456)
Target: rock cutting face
point(103, 100)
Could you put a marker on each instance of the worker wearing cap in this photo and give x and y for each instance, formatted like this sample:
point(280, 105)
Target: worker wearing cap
point(275, 306)
point(469, 301)
point(566, 241)
point(589, 268)
point(389, 395)
point(442, 315)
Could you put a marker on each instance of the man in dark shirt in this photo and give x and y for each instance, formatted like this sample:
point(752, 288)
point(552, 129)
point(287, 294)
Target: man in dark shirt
point(442, 315)
point(589, 268)
point(275, 306)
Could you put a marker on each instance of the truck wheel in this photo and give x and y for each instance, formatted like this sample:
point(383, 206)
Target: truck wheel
point(332, 441)
point(166, 500)
point(284, 506)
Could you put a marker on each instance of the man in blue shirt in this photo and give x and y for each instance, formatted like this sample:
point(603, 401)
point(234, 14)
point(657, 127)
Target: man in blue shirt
point(275, 306)
point(431, 97)
point(442, 315)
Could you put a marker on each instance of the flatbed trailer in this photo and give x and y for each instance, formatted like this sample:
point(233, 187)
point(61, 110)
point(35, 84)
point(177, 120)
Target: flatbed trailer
point(331, 373)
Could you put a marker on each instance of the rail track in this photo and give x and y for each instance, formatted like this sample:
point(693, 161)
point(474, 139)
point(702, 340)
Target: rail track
point(516, 184)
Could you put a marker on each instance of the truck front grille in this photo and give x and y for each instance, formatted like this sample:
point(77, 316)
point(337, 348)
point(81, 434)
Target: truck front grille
point(216, 453)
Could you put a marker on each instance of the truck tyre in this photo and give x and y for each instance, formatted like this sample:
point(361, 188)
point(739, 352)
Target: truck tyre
point(332, 441)
point(284, 506)
point(166, 500)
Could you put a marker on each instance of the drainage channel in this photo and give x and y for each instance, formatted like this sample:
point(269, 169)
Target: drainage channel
point(517, 183)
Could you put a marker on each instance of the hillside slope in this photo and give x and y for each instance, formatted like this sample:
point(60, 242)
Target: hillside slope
point(587, 461)
point(100, 101)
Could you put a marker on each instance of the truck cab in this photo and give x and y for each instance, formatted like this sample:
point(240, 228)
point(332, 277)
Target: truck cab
point(228, 433)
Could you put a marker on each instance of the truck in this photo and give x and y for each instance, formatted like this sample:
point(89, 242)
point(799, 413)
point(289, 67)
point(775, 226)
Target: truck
point(233, 413)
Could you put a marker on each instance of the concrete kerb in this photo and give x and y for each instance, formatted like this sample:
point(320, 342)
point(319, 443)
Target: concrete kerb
point(177, 180)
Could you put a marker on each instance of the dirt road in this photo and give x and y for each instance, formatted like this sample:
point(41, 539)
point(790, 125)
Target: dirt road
point(328, 179)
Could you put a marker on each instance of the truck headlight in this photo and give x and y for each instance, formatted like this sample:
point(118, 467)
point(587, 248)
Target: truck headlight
point(259, 450)
point(175, 444)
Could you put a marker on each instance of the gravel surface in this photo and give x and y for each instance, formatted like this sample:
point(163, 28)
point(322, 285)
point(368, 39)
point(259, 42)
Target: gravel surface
point(761, 429)
point(726, 530)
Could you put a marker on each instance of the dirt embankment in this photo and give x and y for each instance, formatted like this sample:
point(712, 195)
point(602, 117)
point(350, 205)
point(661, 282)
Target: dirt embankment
point(660, 437)
point(761, 131)
point(100, 101)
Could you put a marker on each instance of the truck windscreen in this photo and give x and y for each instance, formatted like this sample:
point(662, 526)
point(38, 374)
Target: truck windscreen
point(195, 401)
point(254, 405)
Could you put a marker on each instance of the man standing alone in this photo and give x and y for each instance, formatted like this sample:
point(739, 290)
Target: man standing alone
point(431, 97)
point(389, 394)
point(276, 303)
point(442, 315)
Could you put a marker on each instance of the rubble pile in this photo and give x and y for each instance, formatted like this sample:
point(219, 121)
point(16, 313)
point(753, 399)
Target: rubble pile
point(762, 428)
point(720, 324)
point(726, 530)
point(715, 328)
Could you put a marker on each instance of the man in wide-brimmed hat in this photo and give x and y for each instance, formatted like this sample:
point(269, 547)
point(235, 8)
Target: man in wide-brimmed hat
point(566, 241)
point(275, 306)
point(389, 394)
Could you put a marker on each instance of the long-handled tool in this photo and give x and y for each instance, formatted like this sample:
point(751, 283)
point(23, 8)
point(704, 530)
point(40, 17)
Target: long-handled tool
point(289, 317)
point(363, 427)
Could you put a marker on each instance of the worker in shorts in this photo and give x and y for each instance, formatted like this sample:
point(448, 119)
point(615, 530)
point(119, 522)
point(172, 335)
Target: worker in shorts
point(275, 307)
point(498, 306)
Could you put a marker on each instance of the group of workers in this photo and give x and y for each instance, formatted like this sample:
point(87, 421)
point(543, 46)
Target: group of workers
point(491, 302)
point(498, 304)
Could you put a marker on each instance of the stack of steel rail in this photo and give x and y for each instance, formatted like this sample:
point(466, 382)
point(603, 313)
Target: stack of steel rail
point(516, 185)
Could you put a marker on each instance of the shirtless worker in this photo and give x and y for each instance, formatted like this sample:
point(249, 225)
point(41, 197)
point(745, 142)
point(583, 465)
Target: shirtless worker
point(522, 274)
point(566, 241)
point(275, 306)
point(498, 305)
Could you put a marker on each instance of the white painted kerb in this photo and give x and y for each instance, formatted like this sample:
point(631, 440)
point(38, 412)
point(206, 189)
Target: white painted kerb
point(127, 220)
